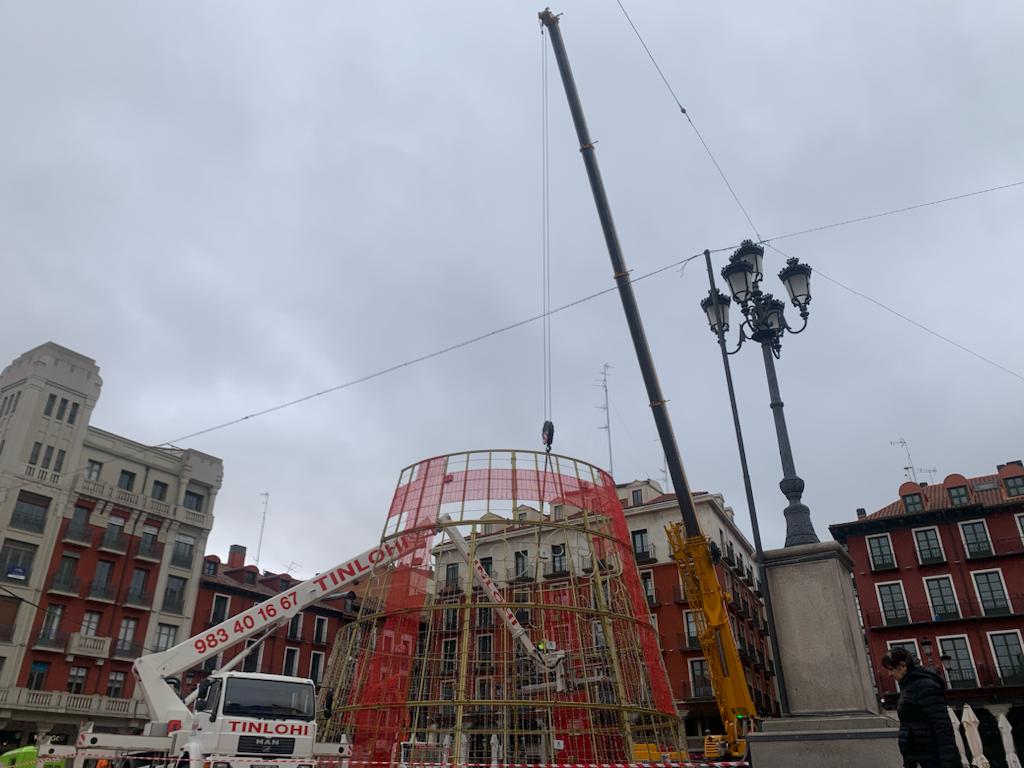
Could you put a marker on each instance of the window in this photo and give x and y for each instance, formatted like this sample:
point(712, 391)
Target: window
point(880, 549)
point(484, 647)
point(638, 497)
point(991, 593)
point(126, 481)
point(558, 564)
point(16, 560)
point(159, 491)
point(148, 544)
point(913, 502)
point(50, 402)
point(316, 667)
point(62, 408)
point(598, 630)
point(448, 651)
point(51, 622)
point(283, 584)
point(174, 594)
point(521, 516)
point(33, 457)
point(647, 581)
point(166, 636)
point(451, 575)
point(960, 667)
point(220, 608)
point(484, 618)
point(73, 413)
point(559, 511)
point(1015, 486)
point(250, 577)
point(47, 457)
point(193, 501)
point(451, 619)
point(30, 512)
point(641, 544)
point(211, 663)
point(252, 661)
point(58, 465)
point(690, 621)
point(184, 550)
point(37, 675)
point(929, 547)
point(76, 679)
point(14, 403)
point(942, 598)
point(291, 662)
point(64, 579)
point(295, 627)
point(90, 623)
point(320, 629)
point(958, 496)
point(520, 563)
point(487, 563)
point(115, 685)
point(1009, 656)
point(100, 586)
point(209, 567)
point(976, 539)
point(699, 679)
point(92, 470)
point(126, 635)
point(137, 586)
point(483, 689)
point(894, 605)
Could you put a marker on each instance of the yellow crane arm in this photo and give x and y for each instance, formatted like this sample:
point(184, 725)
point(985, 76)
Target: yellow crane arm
point(710, 603)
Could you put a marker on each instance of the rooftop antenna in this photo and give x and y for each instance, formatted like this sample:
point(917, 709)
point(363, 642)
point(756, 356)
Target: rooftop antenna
point(933, 472)
point(263, 525)
point(908, 470)
point(607, 415)
point(291, 567)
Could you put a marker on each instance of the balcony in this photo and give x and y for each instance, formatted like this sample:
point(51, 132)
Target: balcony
point(652, 596)
point(101, 590)
point(645, 555)
point(698, 690)
point(88, 645)
point(150, 550)
point(523, 573)
point(65, 584)
point(60, 702)
point(729, 558)
point(50, 639)
point(138, 598)
point(883, 563)
point(114, 540)
point(931, 557)
point(175, 605)
point(25, 520)
point(78, 534)
point(679, 594)
point(125, 496)
point(946, 612)
point(182, 558)
point(556, 568)
point(685, 642)
point(126, 649)
point(962, 677)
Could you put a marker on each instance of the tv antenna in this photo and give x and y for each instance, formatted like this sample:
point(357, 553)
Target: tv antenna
point(263, 525)
point(603, 384)
point(933, 472)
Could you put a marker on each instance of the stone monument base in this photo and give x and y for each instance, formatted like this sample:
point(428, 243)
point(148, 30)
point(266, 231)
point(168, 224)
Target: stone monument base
point(850, 741)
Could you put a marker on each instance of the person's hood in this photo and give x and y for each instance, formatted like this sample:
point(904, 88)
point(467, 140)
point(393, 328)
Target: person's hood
point(919, 673)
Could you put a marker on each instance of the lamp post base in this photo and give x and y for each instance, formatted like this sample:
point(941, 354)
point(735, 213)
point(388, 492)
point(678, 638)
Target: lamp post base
point(799, 528)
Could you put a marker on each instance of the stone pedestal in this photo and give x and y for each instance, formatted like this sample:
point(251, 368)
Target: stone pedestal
point(834, 718)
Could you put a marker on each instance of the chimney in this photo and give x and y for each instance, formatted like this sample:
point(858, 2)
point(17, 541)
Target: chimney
point(1014, 463)
point(861, 513)
point(236, 556)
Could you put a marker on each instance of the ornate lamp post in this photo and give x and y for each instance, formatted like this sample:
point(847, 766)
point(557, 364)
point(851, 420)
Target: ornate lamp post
point(764, 321)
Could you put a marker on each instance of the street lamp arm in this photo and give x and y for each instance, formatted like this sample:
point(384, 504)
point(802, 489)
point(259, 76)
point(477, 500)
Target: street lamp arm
point(803, 327)
point(739, 343)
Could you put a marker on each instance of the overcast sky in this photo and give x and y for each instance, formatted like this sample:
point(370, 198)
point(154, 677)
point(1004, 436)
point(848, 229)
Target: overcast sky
point(232, 204)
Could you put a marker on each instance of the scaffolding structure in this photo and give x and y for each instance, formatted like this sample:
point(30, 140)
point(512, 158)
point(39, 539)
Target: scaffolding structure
point(430, 672)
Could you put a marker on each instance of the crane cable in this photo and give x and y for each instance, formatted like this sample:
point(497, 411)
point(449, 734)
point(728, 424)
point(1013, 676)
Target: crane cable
point(548, 428)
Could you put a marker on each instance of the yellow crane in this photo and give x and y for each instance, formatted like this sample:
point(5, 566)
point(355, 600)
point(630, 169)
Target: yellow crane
point(697, 570)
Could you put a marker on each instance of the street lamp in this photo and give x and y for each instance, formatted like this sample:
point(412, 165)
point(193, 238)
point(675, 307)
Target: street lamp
point(764, 321)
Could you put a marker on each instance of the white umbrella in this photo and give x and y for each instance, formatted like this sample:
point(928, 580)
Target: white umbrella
point(1006, 731)
point(959, 740)
point(970, 721)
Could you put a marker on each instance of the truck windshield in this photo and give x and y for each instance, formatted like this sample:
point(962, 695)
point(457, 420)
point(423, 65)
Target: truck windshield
point(279, 699)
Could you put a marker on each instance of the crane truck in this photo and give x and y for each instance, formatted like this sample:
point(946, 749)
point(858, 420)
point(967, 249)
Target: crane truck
point(239, 719)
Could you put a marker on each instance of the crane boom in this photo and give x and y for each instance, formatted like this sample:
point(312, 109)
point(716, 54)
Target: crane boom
point(151, 670)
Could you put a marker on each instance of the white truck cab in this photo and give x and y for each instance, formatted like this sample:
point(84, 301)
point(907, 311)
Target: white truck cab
point(251, 720)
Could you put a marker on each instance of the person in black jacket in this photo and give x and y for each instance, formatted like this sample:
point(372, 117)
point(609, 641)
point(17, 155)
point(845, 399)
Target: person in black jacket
point(926, 732)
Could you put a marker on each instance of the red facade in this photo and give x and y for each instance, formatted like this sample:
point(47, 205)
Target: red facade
point(301, 648)
point(941, 571)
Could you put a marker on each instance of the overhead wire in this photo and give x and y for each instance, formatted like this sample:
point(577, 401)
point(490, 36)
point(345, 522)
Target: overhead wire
point(841, 223)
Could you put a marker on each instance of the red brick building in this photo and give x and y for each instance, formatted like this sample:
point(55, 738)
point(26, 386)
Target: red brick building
point(302, 648)
point(941, 571)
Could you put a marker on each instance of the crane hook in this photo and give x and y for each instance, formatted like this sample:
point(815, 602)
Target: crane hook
point(547, 435)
